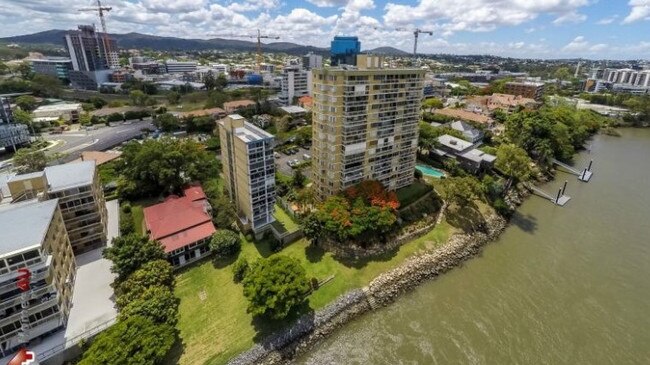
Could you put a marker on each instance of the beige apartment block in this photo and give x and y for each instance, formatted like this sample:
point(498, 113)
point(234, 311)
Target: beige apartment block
point(81, 199)
point(365, 125)
point(33, 236)
point(249, 171)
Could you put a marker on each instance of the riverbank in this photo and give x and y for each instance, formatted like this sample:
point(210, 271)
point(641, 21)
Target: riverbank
point(285, 345)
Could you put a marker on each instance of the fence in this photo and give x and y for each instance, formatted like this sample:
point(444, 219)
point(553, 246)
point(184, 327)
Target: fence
point(74, 340)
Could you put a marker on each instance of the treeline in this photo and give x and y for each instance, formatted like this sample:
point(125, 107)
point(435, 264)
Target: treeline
point(552, 132)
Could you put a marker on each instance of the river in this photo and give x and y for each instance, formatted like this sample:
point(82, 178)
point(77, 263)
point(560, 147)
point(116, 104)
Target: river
point(561, 286)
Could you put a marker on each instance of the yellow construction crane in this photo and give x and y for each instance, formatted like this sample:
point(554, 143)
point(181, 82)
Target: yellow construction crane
point(101, 9)
point(259, 37)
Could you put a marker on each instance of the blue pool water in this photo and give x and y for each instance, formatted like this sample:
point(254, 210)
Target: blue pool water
point(430, 171)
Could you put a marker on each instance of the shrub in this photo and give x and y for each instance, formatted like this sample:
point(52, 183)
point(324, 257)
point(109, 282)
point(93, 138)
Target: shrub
point(225, 243)
point(240, 269)
point(502, 208)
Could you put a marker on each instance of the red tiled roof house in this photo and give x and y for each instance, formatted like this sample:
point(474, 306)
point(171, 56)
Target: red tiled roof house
point(183, 226)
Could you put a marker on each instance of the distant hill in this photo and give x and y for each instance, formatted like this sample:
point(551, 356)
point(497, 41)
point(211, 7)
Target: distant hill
point(391, 51)
point(138, 40)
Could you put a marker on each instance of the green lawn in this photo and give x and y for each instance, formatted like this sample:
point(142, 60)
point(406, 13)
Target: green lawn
point(281, 216)
point(138, 216)
point(413, 192)
point(213, 321)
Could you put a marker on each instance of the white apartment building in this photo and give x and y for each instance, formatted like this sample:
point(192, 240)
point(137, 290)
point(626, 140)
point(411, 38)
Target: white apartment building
point(180, 66)
point(296, 82)
point(628, 77)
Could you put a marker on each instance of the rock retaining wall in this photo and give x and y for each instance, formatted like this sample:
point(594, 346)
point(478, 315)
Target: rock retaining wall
point(283, 346)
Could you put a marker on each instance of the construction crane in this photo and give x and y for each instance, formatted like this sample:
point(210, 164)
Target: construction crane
point(416, 33)
point(107, 45)
point(259, 37)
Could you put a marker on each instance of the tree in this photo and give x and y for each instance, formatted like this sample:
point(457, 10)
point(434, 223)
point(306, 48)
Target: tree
point(97, 102)
point(25, 70)
point(562, 74)
point(221, 82)
point(282, 123)
point(130, 252)
point(156, 303)
point(4, 69)
point(136, 340)
point(164, 166)
point(513, 162)
point(26, 102)
point(298, 179)
point(46, 86)
point(173, 97)
point(209, 81)
point(460, 190)
point(23, 116)
point(167, 122)
point(432, 103)
point(224, 216)
point(28, 160)
point(152, 273)
point(312, 227)
point(138, 98)
point(225, 243)
point(275, 286)
point(239, 269)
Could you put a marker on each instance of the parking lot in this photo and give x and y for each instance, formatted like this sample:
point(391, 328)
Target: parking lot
point(282, 162)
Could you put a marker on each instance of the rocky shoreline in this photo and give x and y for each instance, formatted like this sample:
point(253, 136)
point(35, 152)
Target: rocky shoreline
point(284, 346)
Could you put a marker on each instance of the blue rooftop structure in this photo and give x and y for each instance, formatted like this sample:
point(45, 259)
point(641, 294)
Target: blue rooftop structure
point(344, 50)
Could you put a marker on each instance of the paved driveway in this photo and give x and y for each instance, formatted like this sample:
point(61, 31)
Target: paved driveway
point(281, 163)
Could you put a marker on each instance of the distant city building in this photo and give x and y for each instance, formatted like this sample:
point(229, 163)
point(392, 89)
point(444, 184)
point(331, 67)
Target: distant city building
point(344, 50)
point(531, 90)
point(182, 225)
point(33, 237)
point(220, 68)
point(622, 80)
point(296, 83)
point(249, 171)
point(312, 60)
point(365, 125)
point(67, 111)
point(233, 106)
point(92, 55)
point(58, 67)
point(12, 135)
point(172, 66)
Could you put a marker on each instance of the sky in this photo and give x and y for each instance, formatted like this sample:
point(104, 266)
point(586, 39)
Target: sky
point(595, 29)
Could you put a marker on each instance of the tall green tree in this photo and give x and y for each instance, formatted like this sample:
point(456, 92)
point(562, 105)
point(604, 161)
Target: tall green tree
point(134, 341)
point(513, 162)
point(209, 81)
point(129, 253)
point(156, 303)
point(460, 190)
point(225, 242)
point(275, 286)
point(164, 166)
point(46, 86)
point(138, 98)
point(167, 122)
point(28, 160)
point(152, 273)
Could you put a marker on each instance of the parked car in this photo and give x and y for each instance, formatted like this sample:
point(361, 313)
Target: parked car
point(276, 155)
point(306, 157)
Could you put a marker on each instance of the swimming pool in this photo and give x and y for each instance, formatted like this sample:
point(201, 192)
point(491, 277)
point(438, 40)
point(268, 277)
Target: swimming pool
point(430, 171)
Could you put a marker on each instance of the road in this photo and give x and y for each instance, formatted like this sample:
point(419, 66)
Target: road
point(74, 142)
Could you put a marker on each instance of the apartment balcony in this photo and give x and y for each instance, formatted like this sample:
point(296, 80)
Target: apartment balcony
point(31, 295)
point(47, 302)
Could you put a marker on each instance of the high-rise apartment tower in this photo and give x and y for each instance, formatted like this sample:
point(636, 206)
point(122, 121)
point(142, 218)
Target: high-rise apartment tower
point(365, 125)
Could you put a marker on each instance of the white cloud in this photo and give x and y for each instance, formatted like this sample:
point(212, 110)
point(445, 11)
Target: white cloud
point(328, 3)
point(608, 20)
point(481, 15)
point(580, 46)
point(176, 6)
point(640, 11)
point(572, 17)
